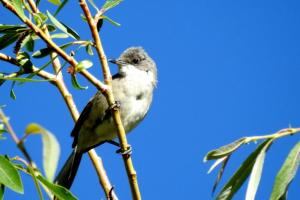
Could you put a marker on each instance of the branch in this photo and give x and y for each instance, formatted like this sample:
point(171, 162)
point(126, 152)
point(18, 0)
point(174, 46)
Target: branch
point(59, 82)
point(131, 173)
point(38, 31)
point(15, 138)
point(40, 73)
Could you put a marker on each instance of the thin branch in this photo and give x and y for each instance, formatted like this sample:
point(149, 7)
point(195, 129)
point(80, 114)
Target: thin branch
point(131, 173)
point(41, 73)
point(15, 138)
point(66, 94)
point(38, 31)
point(278, 134)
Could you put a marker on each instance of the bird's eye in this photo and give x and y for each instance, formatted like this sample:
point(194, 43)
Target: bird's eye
point(135, 61)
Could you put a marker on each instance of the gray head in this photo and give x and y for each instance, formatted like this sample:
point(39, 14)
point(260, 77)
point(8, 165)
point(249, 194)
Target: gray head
point(137, 57)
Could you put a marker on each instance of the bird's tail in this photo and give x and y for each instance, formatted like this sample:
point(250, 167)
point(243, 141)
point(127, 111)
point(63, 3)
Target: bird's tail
point(68, 172)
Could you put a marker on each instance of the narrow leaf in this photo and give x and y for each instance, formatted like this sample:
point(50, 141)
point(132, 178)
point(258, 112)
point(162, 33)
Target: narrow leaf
point(286, 173)
point(28, 43)
point(224, 150)
point(220, 174)
point(60, 7)
point(85, 64)
point(94, 5)
point(12, 92)
point(18, 6)
point(59, 35)
point(239, 177)
point(33, 175)
point(64, 28)
point(51, 149)
point(89, 49)
point(8, 28)
point(7, 39)
point(256, 173)
point(216, 163)
point(24, 80)
point(40, 18)
point(111, 21)
point(2, 189)
point(24, 60)
point(57, 190)
point(9, 176)
point(55, 2)
point(46, 51)
point(109, 4)
point(76, 85)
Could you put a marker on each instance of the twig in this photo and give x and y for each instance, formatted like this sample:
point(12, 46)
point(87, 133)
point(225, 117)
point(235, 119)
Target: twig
point(41, 73)
point(131, 173)
point(64, 91)
point(278, 134)
point(38, 31)
point(15, 138)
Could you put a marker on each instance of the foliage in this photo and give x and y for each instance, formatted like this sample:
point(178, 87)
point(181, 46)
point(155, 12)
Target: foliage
point(40, 28)
point(253, 165)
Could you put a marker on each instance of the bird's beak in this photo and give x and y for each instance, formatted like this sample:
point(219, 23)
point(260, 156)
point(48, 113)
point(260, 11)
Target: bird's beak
point(117, 61)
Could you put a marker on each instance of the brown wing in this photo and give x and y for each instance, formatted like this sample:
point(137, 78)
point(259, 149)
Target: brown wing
point(83, 116)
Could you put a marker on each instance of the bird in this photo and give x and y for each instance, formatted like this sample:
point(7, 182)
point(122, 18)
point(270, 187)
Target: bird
point(132, 88)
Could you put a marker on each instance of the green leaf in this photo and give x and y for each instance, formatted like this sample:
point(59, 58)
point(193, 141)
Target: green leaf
point(28, 43)
point(7, 39)
point(224, 150)
point(7, 28)
point(239, 177)
point(109, 4)
point(57, 190)
point(59, 35)
point(60, 7)
point(94, 5)
point(18, 6)
point(111, 21)
point(12, 92)
point(286, 173)
point(51, 149)
point(9, 176)
point(2, 189)
point(64, 28)
point(89, 49)
point(33, 175)
point(220, 173)
point(24, 60)
point(76, 85)
point(46, 51)
point(51, 28)
point(85, 64)
point(256, 173)
point(40, 18)
point(55, 2)
point(24, 80)
point(2, 128)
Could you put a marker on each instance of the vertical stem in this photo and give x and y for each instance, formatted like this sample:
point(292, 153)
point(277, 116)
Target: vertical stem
point(131, 173)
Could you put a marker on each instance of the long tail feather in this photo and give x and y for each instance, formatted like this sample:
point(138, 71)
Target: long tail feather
point(68, 172)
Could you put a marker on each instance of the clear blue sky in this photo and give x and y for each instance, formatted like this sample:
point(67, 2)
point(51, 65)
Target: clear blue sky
point(227, 69)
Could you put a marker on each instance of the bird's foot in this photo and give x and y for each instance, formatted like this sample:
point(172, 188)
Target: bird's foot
point(115, 106)
point(126, 151)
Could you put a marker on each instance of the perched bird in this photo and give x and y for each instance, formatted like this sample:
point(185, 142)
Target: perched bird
point(132, 88)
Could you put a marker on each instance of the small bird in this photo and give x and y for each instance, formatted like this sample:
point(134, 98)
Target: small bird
point(133, 87)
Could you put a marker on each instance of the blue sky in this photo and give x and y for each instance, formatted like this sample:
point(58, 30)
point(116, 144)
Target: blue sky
point(226, 69)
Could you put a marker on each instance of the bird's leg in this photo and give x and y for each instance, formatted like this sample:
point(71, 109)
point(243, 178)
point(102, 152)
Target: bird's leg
point(115, 106)
point(127, 151)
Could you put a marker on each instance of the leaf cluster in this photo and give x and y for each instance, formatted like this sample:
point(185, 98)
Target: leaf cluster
point(252, 167)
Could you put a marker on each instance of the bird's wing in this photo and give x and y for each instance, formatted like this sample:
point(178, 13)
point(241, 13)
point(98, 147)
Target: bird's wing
point(83, 116)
